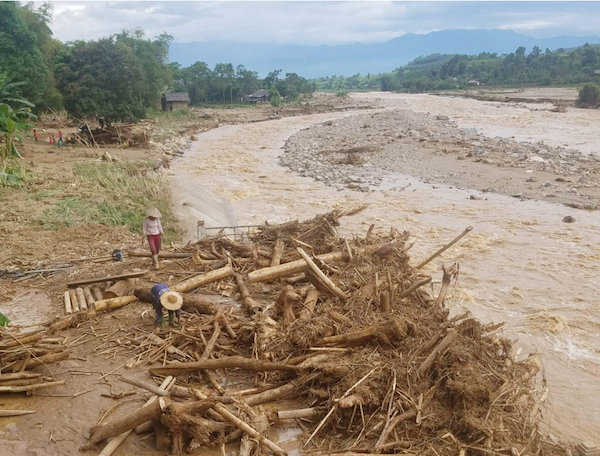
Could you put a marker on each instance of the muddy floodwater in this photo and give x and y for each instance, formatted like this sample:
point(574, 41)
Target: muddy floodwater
point(521, 264)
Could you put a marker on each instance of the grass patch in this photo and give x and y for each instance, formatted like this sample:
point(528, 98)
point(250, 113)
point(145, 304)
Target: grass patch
point(13, 172)
point(114, 194)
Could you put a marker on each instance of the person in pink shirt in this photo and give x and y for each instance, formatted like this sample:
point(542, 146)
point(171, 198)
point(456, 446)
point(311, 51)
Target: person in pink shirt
point(153, 231)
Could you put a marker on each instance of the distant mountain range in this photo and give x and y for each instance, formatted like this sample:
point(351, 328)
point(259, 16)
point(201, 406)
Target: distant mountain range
point(346, 60)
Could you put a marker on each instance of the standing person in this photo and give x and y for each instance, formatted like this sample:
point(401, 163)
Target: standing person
point(60, 141)
point(153, 231)
point(162, 296)
point(51, 140)
point(35, 135)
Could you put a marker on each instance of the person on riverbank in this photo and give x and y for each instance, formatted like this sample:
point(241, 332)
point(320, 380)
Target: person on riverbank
point(163, 297)
point(153, 231)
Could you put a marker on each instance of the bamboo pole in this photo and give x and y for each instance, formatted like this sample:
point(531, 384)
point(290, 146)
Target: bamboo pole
point(414, 287)
point(446, 247)
point(250, 303)
point(440, 348)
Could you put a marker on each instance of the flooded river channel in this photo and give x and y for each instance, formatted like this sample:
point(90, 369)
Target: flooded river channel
point(521, 264)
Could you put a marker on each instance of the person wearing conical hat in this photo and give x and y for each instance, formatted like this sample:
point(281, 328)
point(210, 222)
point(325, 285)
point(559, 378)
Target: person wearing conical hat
point(153, 231)
point(163, 297)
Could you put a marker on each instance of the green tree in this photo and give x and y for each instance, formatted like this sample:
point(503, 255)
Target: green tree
point(102, 77)
point(20, 57)
point(275, 97)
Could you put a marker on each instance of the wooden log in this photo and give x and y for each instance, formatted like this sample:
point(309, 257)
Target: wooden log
point(340, 318)
point(76, 283)
point(291, 268)
point(439, 349)
point(81, 298)
point(109, 449)
point(68, 307)
point(277, 252)
point(229, 362)
point(96, 292)
point(446, 247)
point(388, 333)
point(114, 303)
point(21, 341)
point(120, 288)
point(89, 299)
point(203, 279)
point(326, 280)
point(414, 287)
point(191, 302)
point(276, 393)
point(300, 413)
point(250, 304)
point(15, 412)
point(74, 300)
point(309, 305)
point(449, 274)
point(25, 388)
point(18, 376)
point(160, 255)
point(40, 360)
point(225, 413)
point(126, 423)
point(173, 392)
point(21, 382)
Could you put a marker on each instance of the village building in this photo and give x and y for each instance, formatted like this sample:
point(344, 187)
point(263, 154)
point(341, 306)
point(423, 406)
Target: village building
point(260, 96)
point(474, 83)
point(175, 101)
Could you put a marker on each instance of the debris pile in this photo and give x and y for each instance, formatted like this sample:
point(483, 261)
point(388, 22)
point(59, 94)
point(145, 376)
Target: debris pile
point(337, 336)
point(19, 355)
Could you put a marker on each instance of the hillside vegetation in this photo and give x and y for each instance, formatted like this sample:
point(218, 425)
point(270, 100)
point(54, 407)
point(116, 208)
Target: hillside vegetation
point(448, 72)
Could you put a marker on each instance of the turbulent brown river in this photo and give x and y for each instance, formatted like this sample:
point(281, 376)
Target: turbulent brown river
point(521, 264)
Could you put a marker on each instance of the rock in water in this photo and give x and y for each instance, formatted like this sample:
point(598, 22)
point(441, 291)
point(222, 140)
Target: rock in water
point(569, 219)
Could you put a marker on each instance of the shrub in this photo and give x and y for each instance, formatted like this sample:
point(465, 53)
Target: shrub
point(589, 96)
point(342, 94)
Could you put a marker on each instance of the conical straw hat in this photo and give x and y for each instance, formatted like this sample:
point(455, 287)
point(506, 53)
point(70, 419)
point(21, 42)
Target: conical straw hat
point(153, 212)
point(171, 300)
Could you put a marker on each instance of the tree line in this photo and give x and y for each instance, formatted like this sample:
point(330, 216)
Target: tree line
point(121, 76)
point(449, 72)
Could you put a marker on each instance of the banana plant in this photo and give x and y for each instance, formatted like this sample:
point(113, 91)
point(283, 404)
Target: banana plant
point(13, 119)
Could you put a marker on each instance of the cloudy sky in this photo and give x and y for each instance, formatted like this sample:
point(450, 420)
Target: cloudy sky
point(318, 22)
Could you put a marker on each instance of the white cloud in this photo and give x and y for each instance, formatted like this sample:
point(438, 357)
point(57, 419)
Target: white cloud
point(317, 22)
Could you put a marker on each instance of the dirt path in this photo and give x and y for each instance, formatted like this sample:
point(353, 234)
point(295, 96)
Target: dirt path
point(521, 265)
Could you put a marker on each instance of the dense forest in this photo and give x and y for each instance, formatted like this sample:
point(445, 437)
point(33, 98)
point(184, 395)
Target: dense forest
point(447, 72)
point(120, 77)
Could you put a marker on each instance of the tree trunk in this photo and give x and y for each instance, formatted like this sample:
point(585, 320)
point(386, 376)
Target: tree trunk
point(221, 363)
point(126, 423)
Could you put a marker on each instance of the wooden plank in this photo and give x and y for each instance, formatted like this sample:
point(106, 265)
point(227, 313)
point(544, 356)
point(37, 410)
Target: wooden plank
point(76, 283)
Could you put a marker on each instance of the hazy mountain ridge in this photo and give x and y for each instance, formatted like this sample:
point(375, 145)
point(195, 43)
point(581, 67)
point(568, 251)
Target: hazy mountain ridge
point(316, 61)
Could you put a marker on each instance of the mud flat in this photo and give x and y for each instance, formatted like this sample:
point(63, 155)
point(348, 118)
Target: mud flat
point(521, 264)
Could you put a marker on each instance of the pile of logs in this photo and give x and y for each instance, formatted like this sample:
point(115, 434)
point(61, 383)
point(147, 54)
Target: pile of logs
point(348, 331)
point(19, 355)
